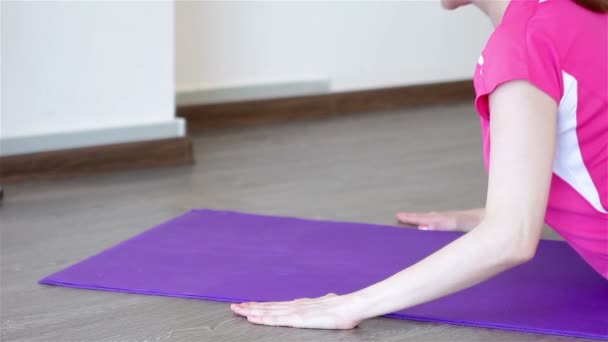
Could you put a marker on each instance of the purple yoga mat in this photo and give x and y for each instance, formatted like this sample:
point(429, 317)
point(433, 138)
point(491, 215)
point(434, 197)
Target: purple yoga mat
point(234, 257)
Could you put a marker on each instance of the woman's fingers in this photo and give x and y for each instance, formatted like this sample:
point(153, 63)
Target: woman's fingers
point(458, 220)
point(447, 220)
point(263, 309)
point(277, 305)
point(418, 219)
point(275, 321)
point(260, 312)
point(259, 307)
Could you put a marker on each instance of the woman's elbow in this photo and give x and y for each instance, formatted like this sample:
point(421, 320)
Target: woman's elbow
point(517, 246)
point(520, 254)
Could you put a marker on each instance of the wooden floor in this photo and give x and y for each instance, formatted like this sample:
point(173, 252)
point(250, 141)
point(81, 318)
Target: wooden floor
point(357, 168)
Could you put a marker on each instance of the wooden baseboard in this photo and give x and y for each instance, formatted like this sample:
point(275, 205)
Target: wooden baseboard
point(96, 159)
point(202, 117)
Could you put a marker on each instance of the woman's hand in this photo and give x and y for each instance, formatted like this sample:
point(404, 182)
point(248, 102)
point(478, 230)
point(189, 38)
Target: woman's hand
point(461, 220)
point(327, 312)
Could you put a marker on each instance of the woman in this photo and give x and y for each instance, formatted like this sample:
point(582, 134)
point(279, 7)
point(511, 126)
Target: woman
point(542, 92)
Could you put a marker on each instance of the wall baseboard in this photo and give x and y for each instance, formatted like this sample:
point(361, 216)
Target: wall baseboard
point(95, 159)
point(252, 92)
point(201, 117)
point(95, 137)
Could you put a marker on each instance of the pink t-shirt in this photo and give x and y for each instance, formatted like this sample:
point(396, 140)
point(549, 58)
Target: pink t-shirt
point(561, 48)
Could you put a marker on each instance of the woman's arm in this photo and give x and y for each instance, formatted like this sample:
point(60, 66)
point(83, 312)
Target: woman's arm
point(523, 127)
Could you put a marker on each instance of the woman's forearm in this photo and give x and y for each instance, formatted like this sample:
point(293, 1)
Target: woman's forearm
point(471, 259)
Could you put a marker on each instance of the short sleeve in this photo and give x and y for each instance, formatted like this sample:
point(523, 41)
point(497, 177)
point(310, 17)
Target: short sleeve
point(529, 56)
point(544, 67)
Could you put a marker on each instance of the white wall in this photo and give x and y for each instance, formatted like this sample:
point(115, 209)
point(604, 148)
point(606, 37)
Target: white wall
point(86, 66)
point(356, 45)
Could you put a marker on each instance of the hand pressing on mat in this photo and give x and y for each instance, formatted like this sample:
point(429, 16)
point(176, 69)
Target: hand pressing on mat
point(459, 220)
point(328, 312)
